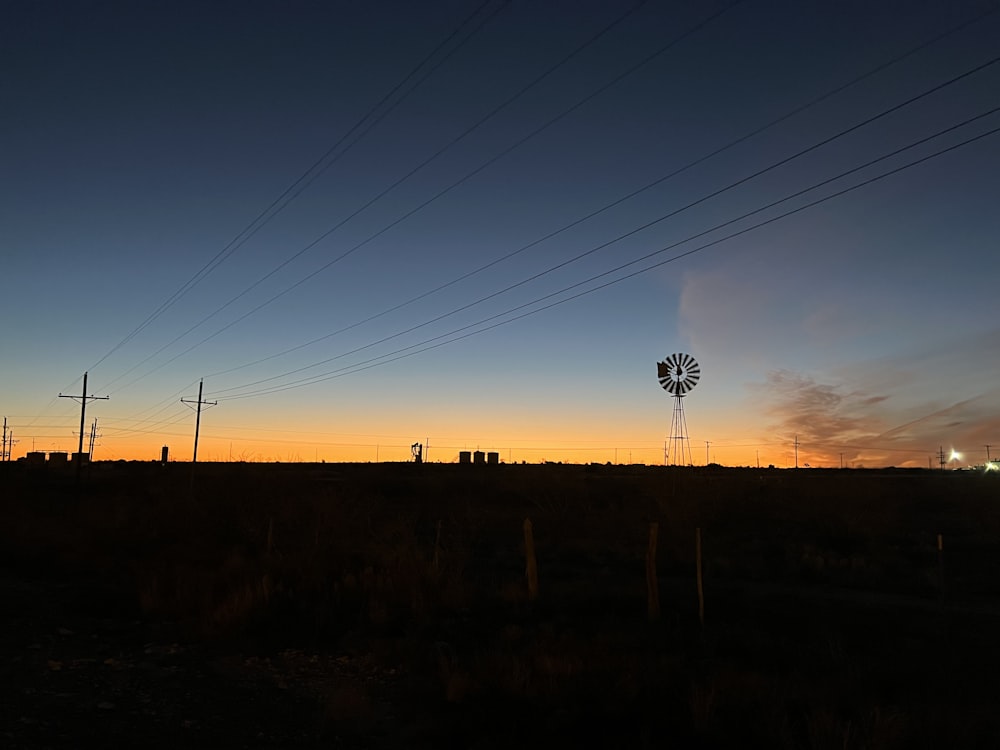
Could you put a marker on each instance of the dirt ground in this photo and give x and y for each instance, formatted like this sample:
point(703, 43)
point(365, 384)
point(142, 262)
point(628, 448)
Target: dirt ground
point(82, 669)
point(788, 656)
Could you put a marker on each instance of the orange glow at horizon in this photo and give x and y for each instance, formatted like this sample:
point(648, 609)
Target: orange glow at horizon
point(573, 448)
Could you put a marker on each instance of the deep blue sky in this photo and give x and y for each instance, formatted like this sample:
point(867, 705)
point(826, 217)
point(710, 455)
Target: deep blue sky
point(139, 139)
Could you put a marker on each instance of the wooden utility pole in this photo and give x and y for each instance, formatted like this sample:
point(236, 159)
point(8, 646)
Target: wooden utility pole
point(8, 442)
point(93, 438)
point(652, 585)
point(531, 562)
point(698, 576)
point(83, 415)
point(197, 421)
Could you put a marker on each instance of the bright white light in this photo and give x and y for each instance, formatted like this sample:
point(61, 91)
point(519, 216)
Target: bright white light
point(955, 455)
point(991, 466)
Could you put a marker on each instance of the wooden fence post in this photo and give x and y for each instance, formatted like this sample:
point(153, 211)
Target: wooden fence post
point(437, 548)
point(701, 590)
point(652, 586)
point(940, 550)
point(531, 564)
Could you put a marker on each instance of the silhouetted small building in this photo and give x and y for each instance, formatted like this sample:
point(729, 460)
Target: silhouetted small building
point(478, 457)
point(164, 453)
point(80, 458)
point(58, 458)
point(465, 457)
point(35, 458)
point(493, 457)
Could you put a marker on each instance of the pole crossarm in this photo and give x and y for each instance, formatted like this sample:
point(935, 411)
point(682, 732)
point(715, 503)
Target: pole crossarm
point(82, 400)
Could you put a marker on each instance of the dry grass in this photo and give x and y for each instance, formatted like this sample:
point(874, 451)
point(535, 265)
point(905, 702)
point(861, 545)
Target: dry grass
point(431, 562)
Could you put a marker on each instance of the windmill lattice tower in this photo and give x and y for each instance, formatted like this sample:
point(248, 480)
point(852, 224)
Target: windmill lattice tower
point(678, 375)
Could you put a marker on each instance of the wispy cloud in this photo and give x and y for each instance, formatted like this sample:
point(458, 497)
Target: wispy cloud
point(824, 416)
point(833, 423)
point(850, 374)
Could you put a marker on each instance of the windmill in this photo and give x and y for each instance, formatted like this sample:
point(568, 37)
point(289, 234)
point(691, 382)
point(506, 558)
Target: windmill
point(678, 374)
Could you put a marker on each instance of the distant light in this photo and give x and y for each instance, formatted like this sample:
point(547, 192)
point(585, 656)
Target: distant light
point(991, 466)
point(955, 455)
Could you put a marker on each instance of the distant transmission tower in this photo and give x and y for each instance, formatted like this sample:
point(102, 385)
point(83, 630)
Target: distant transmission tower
point(678, 374)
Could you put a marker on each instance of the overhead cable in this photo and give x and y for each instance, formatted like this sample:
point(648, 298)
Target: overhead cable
point(524, 139)
point(372, 117)
point(428, 345)
point(660, 180)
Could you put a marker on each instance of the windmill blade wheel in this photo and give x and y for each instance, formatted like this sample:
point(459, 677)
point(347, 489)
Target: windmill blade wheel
point(678, 374)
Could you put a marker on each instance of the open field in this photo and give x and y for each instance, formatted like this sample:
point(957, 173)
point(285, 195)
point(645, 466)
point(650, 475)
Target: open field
point(386, 605)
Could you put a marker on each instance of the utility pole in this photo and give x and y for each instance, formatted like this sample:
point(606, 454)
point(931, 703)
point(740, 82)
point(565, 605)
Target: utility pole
point(8, 442)
point(941, 456)
point(197, 421)
point(706, 452)
point(988, 446)
point(83, 414)
point(93, 437)
point(796, 451)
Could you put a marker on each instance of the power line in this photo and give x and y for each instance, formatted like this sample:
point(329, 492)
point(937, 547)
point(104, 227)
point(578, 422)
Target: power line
point(434, 156)
point(170, 421)
point(648, 224)
point(648, 186)
point(414, 349)
point(399, 181)
point(633, 231)
point(375, 362)
point(306, 178)
point(524, 139)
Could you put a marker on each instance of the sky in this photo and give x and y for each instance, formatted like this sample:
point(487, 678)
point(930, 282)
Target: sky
point(480, 225)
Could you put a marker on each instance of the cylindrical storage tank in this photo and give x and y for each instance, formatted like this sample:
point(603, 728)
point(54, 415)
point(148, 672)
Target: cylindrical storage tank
point(493, 457)
point(465, 457)
point(164, 452)
point(35, 458)
point(58, 458)
point(80, 458)
point(478, 457)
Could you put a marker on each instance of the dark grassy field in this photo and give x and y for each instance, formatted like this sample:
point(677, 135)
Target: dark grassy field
point(387, 606)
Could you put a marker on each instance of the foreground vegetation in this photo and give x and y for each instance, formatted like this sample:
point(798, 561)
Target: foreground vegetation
point(832, 617)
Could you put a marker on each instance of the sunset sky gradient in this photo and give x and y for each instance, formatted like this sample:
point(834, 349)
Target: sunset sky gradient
point(461, 263)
